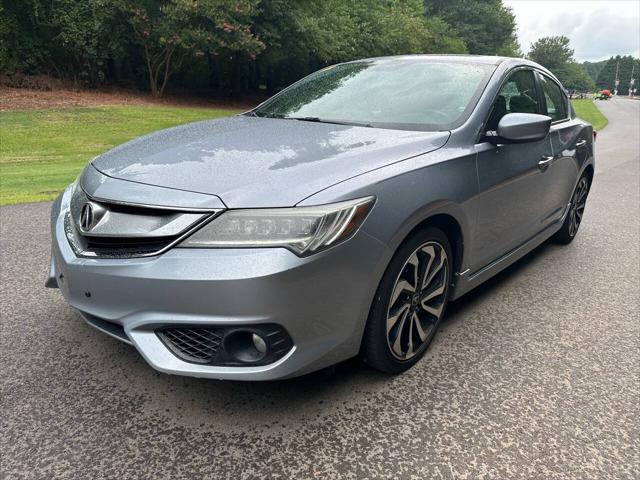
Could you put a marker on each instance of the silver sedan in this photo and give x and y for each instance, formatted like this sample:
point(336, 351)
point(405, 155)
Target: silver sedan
point(336, 219)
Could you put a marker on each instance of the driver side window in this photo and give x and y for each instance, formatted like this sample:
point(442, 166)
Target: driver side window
point(517, 95)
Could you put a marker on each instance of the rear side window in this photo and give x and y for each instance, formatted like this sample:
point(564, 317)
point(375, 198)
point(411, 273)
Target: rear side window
point(517, 95)
point(554, 98)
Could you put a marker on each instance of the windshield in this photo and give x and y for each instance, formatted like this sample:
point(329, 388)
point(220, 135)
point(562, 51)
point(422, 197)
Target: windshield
point(401, 93)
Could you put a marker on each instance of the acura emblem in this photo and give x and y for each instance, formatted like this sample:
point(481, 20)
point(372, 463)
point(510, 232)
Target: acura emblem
point(86, 217)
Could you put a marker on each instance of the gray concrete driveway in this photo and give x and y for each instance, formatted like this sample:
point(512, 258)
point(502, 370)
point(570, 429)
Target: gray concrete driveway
point(534, 375)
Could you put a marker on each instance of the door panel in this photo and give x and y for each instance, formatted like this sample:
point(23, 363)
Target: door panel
point(510, 206)
point(565, 136)
point(514, 196)
point(564, 169)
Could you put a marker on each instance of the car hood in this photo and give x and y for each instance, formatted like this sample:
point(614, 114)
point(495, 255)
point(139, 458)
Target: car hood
point(261, 162)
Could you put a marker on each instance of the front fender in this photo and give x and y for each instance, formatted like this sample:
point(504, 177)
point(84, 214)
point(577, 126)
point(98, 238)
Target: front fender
point(409, 192)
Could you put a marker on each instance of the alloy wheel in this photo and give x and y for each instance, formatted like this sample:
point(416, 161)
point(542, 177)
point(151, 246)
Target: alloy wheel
point(578, 203)
point(417, 300)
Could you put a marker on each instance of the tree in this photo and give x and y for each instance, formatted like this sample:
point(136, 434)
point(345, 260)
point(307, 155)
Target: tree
point(575, 78)
point(487, 27)
point(552, 52)
point(22, 39)
point(87, 34)
point(304, 35)
point(556, 54)
point(170, 30)
point(593, 69)
point(624, 65)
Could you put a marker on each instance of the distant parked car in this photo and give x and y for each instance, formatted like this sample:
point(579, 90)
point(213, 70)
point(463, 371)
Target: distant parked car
point(337, 218)
point(603, 95)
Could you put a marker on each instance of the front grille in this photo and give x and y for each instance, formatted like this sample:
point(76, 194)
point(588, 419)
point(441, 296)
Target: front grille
point(124, 231)
point(197, 345)
point(130, 245)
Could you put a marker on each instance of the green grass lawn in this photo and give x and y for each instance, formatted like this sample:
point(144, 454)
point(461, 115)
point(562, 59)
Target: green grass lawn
point(587, 110)
point(41, 151)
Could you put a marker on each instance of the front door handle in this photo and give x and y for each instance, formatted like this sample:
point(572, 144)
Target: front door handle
point(581, 143)
point(544, 162)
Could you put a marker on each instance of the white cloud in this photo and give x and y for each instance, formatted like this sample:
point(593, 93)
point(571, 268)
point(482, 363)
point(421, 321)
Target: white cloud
point(597, 29)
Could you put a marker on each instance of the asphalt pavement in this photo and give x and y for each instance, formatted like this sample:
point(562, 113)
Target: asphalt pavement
point(534, 375)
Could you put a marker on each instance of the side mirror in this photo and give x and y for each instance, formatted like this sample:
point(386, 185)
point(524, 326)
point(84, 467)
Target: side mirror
point(521, 128)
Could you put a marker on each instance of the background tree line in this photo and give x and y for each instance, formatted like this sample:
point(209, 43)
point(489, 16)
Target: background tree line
point(556, 54)
point(236, 46)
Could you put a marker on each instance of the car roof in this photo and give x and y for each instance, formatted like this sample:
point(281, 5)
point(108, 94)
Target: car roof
point(439, 57)
point(507, 62)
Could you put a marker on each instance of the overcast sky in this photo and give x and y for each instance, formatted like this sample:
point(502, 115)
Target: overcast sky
point(597, 29)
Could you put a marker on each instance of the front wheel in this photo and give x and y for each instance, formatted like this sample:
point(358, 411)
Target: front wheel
point(572, 222)
point(410, 302)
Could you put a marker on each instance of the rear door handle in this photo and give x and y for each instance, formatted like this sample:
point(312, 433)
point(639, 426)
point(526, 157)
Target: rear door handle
point(544, 162)
point(581, 143)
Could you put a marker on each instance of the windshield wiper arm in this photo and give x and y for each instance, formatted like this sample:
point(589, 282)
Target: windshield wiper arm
point(324, 120)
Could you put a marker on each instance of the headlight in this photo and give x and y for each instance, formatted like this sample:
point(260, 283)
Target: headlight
point(304, 230)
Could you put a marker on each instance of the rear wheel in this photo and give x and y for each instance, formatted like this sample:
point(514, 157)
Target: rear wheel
point(409, 303)
point(572, 222)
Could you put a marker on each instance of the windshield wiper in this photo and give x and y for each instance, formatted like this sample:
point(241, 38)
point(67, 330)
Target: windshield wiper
point(253, 113)
point(324, 120)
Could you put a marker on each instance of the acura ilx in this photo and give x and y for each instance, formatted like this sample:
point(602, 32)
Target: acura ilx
point(336, 219)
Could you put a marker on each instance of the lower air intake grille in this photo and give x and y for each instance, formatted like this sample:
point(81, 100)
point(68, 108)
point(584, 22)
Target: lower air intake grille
point(197, 345)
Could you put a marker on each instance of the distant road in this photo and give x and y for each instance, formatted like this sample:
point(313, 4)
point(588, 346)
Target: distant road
point(534, 375)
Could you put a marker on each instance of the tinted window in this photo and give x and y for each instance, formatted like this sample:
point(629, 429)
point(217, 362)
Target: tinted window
point(402, 93)
point(517, 95)
point(554, 98)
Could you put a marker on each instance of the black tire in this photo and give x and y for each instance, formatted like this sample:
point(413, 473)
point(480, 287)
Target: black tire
point(377, 349)
point(572, 222)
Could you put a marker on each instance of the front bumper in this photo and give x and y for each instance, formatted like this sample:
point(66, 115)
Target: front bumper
point(322, 301)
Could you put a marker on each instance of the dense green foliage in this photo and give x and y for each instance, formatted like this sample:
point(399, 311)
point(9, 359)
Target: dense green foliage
point(44, 150)
point(625, 66)
point(235, 45)
point(556, 54)
point(487, 27)
point(587, 110)
point(593, 69)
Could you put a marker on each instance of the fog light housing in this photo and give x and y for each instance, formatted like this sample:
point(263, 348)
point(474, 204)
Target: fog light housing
point(245, 346)
point(252, 345)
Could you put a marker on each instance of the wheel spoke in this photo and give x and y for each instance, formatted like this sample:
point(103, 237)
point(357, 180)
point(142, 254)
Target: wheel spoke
point(410, 336)
point(401, 287)
point(393, 319)
point(574, 225)
point(435, 311)
point(429, 278)
point(397, 343)
point(421, 333)
point(415, 262)
point(433, 294)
